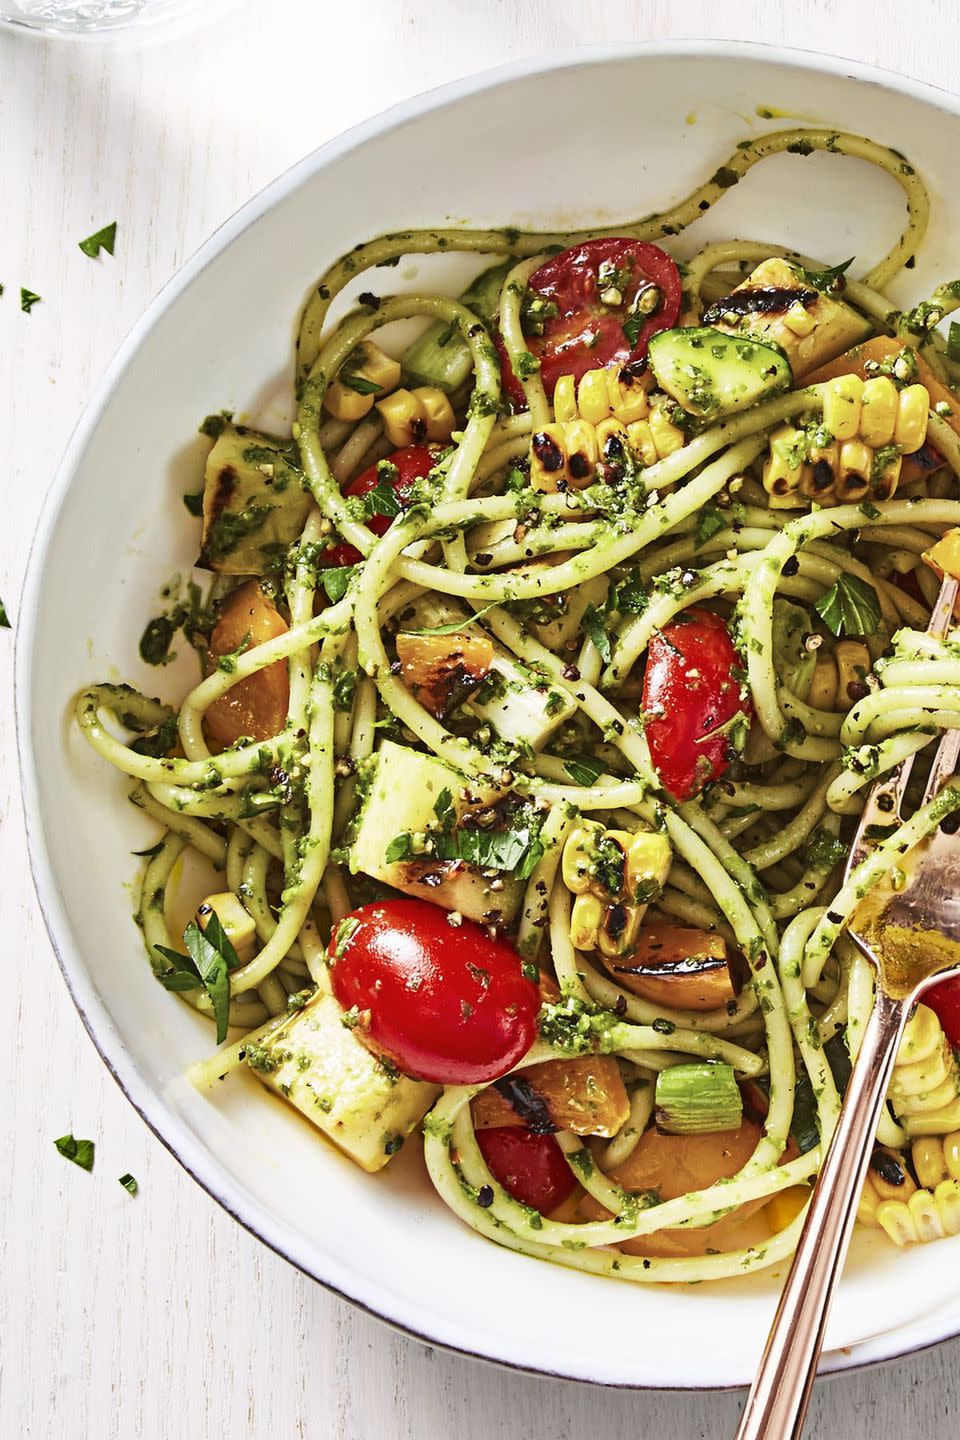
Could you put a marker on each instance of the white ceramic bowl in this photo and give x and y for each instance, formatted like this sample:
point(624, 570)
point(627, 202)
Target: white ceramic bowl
point(587, 139)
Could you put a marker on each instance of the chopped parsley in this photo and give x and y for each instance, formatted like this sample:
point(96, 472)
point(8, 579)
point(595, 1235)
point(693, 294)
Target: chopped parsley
point(210, 958)
point(336, 581)
point(80, 1152)
point(4, 618)
point(826, 280)
point(127, 1181)
point(28, 299)
point(104, 239)
point(710, 521)
point(850, 607)
point(595, 628)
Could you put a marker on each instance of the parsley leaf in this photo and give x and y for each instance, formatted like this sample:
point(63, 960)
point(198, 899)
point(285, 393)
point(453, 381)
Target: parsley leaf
point(336, 581)
point(710, 521)
point(28, 299)
point(382, 499)
point(444, 811)
point(850, 607)
point(399, 848)
point(628, 594)
point(829, 279)
point(631, 328)
point(104, 239)
point(595, 628)
point(4, 618)
point(209, 960)
point(79, 1151)
point(129, 1183)
point(455, 625)
point(583, 769)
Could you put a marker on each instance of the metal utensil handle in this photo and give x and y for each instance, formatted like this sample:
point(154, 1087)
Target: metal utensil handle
point(780, 1393)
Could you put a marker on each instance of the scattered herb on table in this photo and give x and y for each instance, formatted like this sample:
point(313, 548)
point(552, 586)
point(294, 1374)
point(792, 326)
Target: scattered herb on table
point(79, 1151)
point(28, 299)
point(4, 618)
point(129, 1183)
point(104, 239)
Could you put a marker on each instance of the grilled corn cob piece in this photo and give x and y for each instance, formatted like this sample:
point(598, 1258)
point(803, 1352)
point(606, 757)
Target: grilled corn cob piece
point(925, 1086)
point(614, 875)
point(370, 366)
point(909, 1216)
point(412, 416)
point(595, 422)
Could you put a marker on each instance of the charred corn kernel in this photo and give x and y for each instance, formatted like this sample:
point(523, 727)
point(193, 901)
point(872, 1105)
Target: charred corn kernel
point(580, 453)
point(798, 319)
point(853, 666)
point(238, 926)
point(578, 853)
point(666, 436)
point(910, 430)
point(781, 1210)
point(403, 418)
point(878, 410)
point(842, 398)
point(823, 685)
point(346, 404)
point(627, 396)
point(889, 1175)
point(565, 399)
point(783, 467)
point(586, 918)
point(885, 475)
point(547, 458)
point(612, 442)
point(928, 1161)
point(926, 1215)
point(641, 442)
point(437, 411)
point(854, 470)
point(593, 399)
point(617, 933)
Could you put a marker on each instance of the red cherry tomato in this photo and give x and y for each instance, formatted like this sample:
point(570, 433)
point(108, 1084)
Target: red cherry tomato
point(443, 1002)
point(411, 463)
point(587, 333)
point(530, 1167)
point(689, 690)
point(944, 1000)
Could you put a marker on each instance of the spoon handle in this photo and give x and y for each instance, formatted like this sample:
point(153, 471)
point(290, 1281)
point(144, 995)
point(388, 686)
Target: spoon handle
point(780, 1393)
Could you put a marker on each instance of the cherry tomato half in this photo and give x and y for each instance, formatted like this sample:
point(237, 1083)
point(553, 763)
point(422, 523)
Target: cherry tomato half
point(944, 1001)
point(443, 1002)
point(589, 332)
point(530, 1167)
point(411, 463)
point(689, 690)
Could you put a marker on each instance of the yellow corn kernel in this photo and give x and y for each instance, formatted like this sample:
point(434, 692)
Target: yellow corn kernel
point(933, 1122)
point(586, 917)
point(853, 473)
point(894, 1217)
point(925, 1215)
point(612, 442)
point(910, 430)
point(911, 1082)
point(580, 449)
point(928, 1161)
point(627, 397)
point(438, 413)
point(853, 665)
point(547, 458)
point(403, 418)
point(889, 1175)
point(649, 858)
point(823, 686)
point(376, 366)
point(947, 1196)
point(641, 442)
point(781, 1210)
point(878, 410)
point(798, 319)
point(783, 467)
point(578, 854)
point(593, 399)
point(842, 398)
point(922, 1036)
point(565, 399)
point(951, 1154)
point(346, 404)
point(868, 1204)
point(238, 926)
point(666, 436)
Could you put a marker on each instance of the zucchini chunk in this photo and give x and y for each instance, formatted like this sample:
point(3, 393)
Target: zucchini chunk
point(713, 374)
point(779, 306)
point(317, 1063)
point(404, 801)
point(255, 502)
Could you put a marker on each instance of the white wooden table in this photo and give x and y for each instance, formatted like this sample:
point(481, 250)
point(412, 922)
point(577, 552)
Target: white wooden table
point(158, 1316)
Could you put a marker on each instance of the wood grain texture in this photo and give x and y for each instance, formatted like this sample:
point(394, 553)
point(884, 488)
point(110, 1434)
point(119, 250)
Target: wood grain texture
point(157, 1316)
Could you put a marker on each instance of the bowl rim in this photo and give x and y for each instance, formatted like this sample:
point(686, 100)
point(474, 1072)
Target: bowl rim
point(171, 1130)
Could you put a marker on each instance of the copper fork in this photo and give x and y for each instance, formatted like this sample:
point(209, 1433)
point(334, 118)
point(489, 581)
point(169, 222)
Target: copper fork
point(927, 910)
